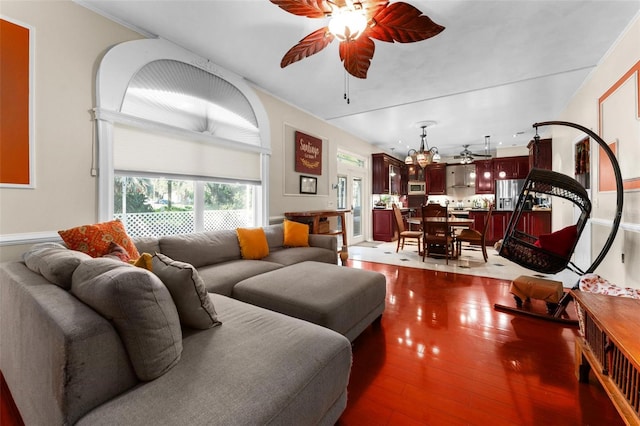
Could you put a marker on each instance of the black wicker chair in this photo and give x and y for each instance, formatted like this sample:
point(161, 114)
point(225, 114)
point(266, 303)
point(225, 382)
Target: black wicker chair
point(522, 249)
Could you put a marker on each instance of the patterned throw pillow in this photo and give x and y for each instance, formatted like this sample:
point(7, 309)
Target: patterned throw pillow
point(253, 243)
point(116, 251)
point(295, 234)
point(95, 239)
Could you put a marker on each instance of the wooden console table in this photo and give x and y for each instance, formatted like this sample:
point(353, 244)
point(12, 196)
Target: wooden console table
point(313, 217)
point(610, 346)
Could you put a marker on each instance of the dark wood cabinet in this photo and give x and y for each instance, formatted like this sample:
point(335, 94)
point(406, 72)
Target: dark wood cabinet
point(436, 179)
point(533, 223)
point(497, 226)
point(540, 154)
point(414, 172)
point(536, 222)
point(386, 174)
point(511, 167)
point(383, 228)
point(484, 177)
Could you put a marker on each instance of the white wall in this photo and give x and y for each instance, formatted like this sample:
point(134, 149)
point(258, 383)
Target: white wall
point(69, 43)
point(283, 118)
point(583, 109)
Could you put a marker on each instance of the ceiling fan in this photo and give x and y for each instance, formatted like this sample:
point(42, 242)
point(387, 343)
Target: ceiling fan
point(466, 156)
point(355, 24)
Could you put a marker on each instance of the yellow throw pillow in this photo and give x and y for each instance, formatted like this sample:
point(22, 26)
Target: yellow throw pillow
point(253, 243)
point(95, 239)
point(295, 234)
point(144, 261)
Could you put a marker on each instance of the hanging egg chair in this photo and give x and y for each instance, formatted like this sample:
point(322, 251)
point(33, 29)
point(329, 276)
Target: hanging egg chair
point(528, 250)
point(551, 253)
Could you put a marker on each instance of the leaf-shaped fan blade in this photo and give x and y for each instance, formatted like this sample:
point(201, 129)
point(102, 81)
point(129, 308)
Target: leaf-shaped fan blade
point(403, 23)
point(372, 7)
point(357, 55)
point(308, 8)
point(311, 44)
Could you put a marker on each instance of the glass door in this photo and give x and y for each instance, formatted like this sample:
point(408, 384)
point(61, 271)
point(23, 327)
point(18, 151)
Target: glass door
point(350, 191)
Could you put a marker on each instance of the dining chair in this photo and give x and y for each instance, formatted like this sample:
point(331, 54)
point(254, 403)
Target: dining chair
point(436, 233)
point(475, 237)
point(403, 233)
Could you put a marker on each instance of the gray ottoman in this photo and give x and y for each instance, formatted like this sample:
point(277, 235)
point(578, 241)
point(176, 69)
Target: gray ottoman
point(343, 299)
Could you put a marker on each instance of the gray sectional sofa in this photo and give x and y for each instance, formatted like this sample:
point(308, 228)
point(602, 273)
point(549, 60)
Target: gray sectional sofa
point(76, 336)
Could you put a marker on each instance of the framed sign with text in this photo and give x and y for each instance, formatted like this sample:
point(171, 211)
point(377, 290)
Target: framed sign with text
point(308, 154)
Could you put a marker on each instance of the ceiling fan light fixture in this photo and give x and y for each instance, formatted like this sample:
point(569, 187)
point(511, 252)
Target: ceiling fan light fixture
point(348, 25)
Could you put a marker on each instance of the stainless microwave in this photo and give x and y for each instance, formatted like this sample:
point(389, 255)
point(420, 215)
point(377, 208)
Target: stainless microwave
point(416, 187)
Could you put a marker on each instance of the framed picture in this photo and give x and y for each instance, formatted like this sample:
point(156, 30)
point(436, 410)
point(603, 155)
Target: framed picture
point(308, 185)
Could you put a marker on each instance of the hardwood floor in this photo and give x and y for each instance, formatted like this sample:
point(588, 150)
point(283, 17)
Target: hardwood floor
point(443, 356)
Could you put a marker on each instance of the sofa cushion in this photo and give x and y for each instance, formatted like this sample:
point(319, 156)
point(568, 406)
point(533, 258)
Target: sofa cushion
point(202, 248)
point(292, 255)
point(295, 234)
point(95, 239)
point(54, 262)
point(221, 277)
point(259, 368)
point(187, 289)
point(140, 307)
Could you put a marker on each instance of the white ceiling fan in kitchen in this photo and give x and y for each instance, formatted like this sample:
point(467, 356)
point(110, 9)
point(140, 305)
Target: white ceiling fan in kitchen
point(466, 156)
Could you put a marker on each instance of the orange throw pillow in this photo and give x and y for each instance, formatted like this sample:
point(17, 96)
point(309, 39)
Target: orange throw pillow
point(253, 243)
point(295, 234)
point(96, 239)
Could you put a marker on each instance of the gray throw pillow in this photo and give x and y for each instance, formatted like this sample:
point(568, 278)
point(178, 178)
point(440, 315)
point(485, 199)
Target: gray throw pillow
point(140, 307)
point(54, 262)
point(189, 293)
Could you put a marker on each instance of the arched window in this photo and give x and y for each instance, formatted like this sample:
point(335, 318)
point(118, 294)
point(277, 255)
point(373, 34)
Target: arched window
point(183, 144)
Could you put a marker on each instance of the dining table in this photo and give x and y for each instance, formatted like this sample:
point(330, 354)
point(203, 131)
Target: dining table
point(452, 222)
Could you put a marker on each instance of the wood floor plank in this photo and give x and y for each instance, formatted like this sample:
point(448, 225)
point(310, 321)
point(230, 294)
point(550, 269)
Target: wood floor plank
point(443, 356)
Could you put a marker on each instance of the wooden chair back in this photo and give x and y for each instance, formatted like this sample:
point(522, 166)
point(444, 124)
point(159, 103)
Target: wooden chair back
point(397, 218)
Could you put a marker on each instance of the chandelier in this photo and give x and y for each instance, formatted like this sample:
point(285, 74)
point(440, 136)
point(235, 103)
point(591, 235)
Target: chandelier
point(423, 157)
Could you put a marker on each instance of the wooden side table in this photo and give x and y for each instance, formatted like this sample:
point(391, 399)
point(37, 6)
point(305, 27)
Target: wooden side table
point(313, 217)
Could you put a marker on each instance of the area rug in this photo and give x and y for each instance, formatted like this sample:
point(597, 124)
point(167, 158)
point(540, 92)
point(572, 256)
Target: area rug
point(470, 262)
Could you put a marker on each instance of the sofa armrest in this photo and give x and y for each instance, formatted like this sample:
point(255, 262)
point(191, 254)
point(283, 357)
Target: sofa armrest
point(59, 357)
point(324, 241)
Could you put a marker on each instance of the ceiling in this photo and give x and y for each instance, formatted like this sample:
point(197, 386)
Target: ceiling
point(497, 68)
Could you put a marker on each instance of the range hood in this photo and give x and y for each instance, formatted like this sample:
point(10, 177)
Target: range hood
point(458, 176)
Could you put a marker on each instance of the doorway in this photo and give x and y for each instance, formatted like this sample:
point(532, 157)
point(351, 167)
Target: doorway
point(350, 194)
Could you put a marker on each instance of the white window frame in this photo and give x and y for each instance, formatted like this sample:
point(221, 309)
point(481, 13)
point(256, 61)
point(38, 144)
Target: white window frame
point(117, 68)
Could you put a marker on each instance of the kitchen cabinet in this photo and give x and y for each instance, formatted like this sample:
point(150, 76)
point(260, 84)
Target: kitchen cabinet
point(384, 228)
point(386, 174)
point(415, 172)
point(533, 223)
point(484, 177)
point(511, 167)
point(497, 226)
point(540, 155)
point(536, 222)
point(436, 179)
